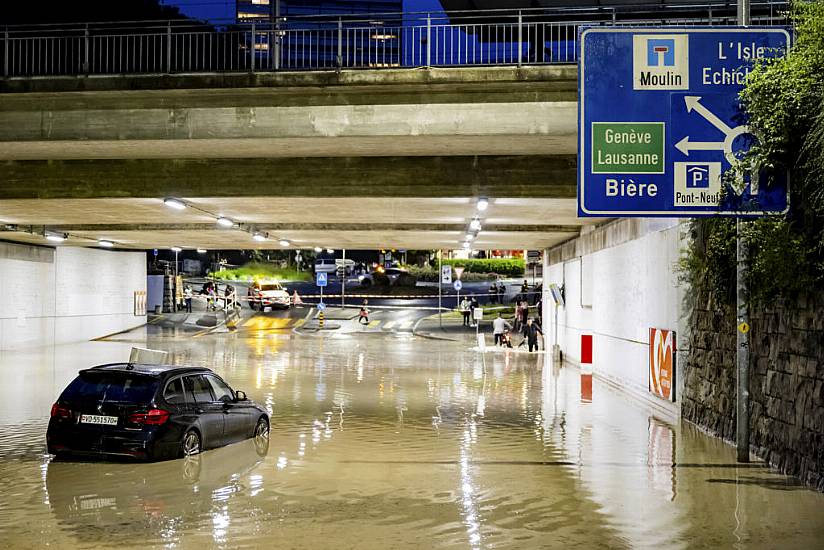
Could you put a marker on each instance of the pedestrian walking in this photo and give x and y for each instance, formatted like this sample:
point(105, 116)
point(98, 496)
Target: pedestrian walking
point(464, 308)
point(525, 290)
point(363, 314)
point(473, 305)
point(187, 298)
point(524, 313)
point(493, 293)
point(499, 328)
point(501, 292)
point(532, 331)
point(211, 299)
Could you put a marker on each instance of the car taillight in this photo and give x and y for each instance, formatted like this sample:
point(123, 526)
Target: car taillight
point(61, 411)
point(153, 417)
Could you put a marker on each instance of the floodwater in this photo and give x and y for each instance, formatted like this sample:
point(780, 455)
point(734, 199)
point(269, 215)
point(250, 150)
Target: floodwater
point(391, 442)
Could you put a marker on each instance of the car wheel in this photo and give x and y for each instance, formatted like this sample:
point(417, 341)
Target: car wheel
point(191, 443)
point(261, 436)
point(262, 428)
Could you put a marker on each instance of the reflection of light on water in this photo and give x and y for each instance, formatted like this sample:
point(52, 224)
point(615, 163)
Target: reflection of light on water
point(469, 500)
point(255, 484)
point(220, 523)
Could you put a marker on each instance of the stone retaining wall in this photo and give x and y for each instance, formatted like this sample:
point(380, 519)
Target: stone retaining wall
point(786, 381)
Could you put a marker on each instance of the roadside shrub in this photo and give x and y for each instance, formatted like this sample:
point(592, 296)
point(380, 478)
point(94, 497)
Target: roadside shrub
point(505, 267)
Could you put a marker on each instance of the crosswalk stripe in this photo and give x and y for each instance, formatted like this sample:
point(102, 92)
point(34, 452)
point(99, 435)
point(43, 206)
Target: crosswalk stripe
point(299, 323)
point(373, 324)
point(406, 325)
point(388, 325)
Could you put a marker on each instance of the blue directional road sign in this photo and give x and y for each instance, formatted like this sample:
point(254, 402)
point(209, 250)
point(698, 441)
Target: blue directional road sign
point(458, 285)
point(321, 306)
point(660, 124)
point(321, 279)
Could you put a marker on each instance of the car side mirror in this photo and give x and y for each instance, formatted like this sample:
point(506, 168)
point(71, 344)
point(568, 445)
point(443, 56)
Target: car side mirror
point(240, 396)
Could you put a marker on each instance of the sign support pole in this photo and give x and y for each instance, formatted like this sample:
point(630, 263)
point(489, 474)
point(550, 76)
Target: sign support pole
point(440, 284)
point(343, 283)
point(742, 401)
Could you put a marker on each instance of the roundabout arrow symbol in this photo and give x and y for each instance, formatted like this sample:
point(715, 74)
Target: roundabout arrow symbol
point(685, 146)
point(694, 103)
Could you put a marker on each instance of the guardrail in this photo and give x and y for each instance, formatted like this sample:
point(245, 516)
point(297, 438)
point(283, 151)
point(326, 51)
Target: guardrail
point(492, 37)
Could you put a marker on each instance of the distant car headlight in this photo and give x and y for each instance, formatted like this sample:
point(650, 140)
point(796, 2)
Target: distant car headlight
point(361, 277)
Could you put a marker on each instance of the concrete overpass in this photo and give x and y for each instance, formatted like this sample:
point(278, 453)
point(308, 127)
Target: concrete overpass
point(355, 159)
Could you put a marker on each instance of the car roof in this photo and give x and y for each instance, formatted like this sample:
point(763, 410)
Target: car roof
point(146, 369)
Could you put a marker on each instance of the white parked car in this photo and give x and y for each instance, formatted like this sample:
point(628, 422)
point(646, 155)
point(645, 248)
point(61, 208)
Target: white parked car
point(268, 294)
point(330, 265)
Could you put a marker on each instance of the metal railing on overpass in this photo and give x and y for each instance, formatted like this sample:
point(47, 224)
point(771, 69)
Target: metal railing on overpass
point(410, 40)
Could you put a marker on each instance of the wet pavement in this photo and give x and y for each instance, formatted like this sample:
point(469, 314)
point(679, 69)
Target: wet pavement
point(388, 440)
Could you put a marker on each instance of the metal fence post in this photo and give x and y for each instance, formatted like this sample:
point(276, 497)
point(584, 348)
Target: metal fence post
point(86, 67)
point(340, 42)
point(6, 52)
point(253, 49)
point(520, 36)
point(614, 18)
point(428, 40)
point(169, 47)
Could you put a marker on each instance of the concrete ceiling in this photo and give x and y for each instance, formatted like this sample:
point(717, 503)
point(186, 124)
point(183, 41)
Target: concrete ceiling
point(341, 222)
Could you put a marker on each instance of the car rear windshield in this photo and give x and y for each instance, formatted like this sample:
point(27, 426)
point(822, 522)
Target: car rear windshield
point(111, 386)
point(272, 286)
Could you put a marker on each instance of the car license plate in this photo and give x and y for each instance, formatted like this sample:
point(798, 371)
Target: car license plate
point(97, 419)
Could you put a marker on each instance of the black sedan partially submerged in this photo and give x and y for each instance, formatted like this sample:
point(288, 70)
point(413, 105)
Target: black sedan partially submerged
point(150, 412)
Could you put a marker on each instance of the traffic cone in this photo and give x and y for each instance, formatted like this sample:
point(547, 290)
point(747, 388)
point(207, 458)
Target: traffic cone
point(296, 301)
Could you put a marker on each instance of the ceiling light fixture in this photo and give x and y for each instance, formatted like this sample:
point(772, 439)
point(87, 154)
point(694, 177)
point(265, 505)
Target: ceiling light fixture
point(466, 244)
point(475, 225)
point(258, 236)
point(177, 204)
point(105, 244)
point(56, 237)
point(225, 222)
point(318, 250)
point(176, 249)
point(483, 203)
point(202, 251)
point(284, 242)
point(469, 237)
point(330, 250)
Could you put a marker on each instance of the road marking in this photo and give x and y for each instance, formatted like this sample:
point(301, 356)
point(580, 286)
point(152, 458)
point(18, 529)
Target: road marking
point(299, 323)
point(388, 325)
point(373, 324)
point(406, 325)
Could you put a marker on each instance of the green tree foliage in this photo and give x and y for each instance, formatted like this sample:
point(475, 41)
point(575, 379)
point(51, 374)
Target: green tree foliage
point(500, 266)
point(784, 98)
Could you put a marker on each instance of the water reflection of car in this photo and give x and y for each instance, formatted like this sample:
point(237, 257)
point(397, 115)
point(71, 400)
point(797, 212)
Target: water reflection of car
point(263, 294)
point(169, 497)
point(391, 273)
point(150, 412)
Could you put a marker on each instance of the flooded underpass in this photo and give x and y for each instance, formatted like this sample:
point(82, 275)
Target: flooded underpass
point(382, 441)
